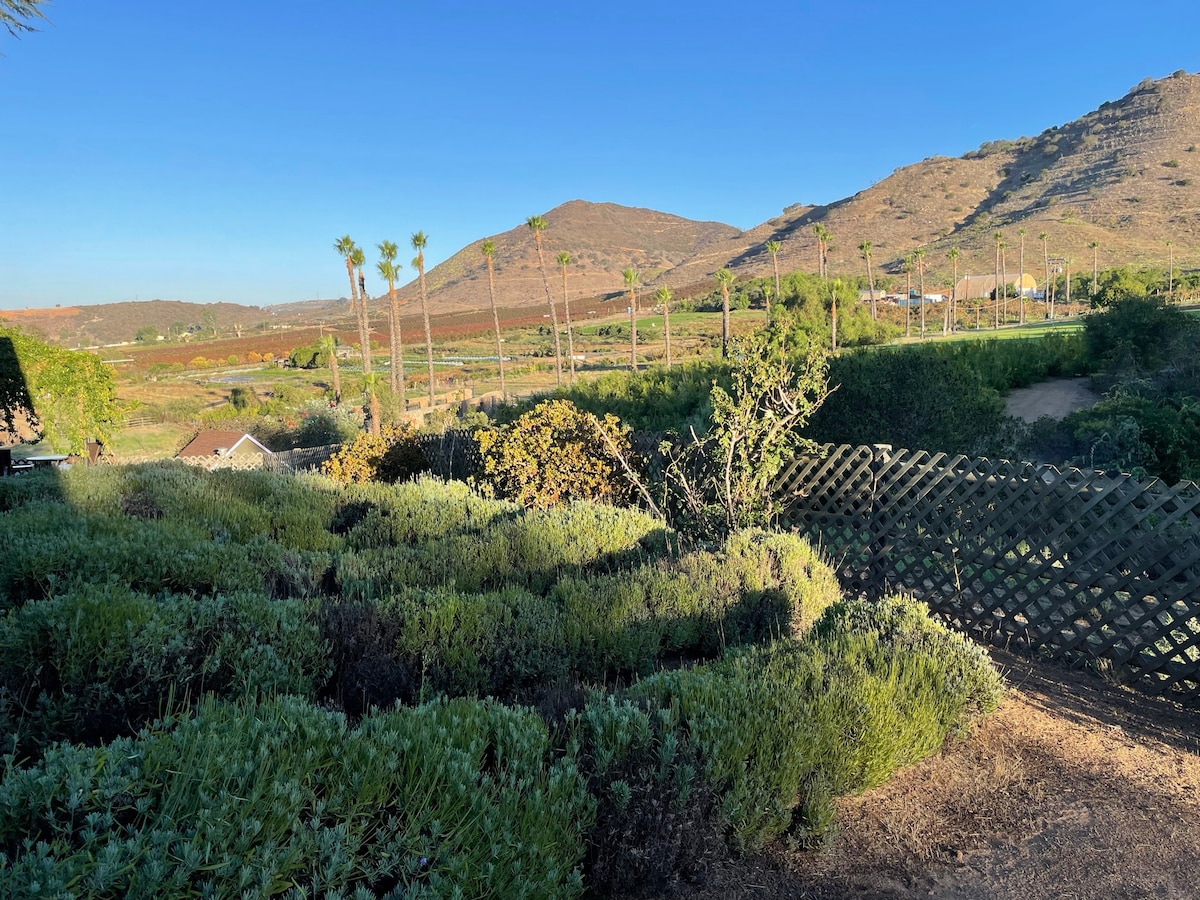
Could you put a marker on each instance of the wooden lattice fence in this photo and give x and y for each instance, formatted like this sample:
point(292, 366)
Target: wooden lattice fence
point(303, 459)
point(1076, 564)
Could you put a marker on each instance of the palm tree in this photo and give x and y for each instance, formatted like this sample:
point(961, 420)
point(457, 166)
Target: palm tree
point(16, 16)
point(663, 295)
point(537, 225)
point(328, 346)
point(359, 259)
point(1004, 276)
point(1170, 270)
point(1047, 291)
point(999, 238)
point(564, 260)
point(1021, 279)
point(370, 388)
point(725, 279)
point(489, 248)
point(348, 250)
point(389, 271)
point(953, 255)
point(919, 256)
point(907, 268)
point(823, 236)
point(1095, 245)
point(419, 240)
point(773, 247)
point(864, 250)
point(632, 276)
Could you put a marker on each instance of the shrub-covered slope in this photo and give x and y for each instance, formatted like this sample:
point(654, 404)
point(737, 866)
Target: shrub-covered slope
point(273, 687)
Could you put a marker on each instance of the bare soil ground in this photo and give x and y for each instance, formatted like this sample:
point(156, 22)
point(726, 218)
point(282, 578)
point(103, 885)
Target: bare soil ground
point(1075, 788)
point(1056, 398)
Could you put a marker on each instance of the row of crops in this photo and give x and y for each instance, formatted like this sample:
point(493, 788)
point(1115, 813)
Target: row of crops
point(246, 684)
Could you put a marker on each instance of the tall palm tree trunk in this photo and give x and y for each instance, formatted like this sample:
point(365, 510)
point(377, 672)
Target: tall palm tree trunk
point(428, 330)
point(396, 348)
point(364, 322)
point(667, 331)
point(725, 325)
point(633, 328)
point(921, 287)
point(1021, 280)
point(996, 293)
point(871, 288)
point(537, 239)
point(495, 320)
point(567, 313)
point(1004, 278)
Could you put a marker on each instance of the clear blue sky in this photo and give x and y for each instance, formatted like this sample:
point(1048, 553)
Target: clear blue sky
point(214, 151)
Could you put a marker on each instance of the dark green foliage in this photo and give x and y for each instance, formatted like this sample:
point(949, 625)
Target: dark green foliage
point(243, 398)
point(1152, 436)
point(652, 399)
point(944, 396)
point(1148, 423)
point(1138, 332)
point(450, 799)
point(313, 356)
point(908, 397)
point(658, 822)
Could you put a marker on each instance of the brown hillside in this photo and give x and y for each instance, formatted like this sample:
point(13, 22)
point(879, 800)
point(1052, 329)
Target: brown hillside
point(1126, 175)
point(603, 240)
point(115, 323)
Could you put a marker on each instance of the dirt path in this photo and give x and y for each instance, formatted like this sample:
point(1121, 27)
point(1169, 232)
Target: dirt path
point(1073, 789)
point(1056, 398)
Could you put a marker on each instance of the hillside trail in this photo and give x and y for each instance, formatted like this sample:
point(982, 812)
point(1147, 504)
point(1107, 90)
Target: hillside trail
point(1075, 788)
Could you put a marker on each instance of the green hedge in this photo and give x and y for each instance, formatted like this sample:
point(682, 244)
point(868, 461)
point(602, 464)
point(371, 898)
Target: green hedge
point(449, 799)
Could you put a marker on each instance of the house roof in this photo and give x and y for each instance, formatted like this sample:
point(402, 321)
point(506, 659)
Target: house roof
point(216, 443)
point(982, 285)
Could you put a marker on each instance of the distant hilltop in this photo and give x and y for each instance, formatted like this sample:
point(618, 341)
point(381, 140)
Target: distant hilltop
point(1120, 185)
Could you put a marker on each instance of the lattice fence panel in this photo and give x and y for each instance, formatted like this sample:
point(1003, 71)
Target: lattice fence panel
point(1076, 563)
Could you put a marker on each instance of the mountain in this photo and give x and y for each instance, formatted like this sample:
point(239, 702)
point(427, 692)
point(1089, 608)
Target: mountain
point(603, 239)
point(1126, 176)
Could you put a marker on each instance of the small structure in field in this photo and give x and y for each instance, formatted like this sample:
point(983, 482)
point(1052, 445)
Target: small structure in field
point(224, 450)
point(971, 287)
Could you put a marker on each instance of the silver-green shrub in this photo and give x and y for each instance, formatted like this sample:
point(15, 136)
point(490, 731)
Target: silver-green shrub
point(257, 798)
point(874, 687)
